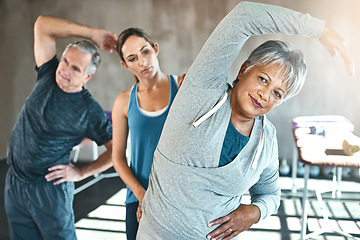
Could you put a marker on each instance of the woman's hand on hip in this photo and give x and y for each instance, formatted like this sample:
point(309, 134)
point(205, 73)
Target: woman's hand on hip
point(235, 222)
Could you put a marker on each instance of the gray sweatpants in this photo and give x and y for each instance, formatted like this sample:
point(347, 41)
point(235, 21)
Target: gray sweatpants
point(39, 210)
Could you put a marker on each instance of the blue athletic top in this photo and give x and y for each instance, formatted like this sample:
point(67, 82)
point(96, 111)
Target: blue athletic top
point(51, 123)
point(145, 132)
point(234, 142)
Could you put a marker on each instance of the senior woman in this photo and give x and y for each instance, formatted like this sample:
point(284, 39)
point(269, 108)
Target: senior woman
point(216, 143)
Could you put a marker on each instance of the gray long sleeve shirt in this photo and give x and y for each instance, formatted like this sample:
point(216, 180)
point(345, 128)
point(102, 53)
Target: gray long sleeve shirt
point(187, 189)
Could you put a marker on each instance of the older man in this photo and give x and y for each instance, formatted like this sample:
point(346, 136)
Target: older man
point(58, 115)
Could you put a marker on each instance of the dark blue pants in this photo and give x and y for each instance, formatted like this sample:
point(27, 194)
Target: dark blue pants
point(132, 224)
point(39, 210)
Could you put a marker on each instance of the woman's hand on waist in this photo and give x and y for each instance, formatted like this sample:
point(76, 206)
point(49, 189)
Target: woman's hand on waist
point(235, 222)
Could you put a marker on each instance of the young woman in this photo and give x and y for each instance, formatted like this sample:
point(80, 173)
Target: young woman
point(140, 110)
point(216, 143)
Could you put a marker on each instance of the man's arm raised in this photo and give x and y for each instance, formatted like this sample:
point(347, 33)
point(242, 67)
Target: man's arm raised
point(47, 29)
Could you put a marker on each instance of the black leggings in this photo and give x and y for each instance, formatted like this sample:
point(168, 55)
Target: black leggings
point(132, 224)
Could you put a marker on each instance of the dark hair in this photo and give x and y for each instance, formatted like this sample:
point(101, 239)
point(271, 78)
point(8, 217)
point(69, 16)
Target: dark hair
point(124, 35)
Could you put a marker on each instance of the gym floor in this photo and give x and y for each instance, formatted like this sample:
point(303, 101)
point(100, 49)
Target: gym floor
point(100, 212)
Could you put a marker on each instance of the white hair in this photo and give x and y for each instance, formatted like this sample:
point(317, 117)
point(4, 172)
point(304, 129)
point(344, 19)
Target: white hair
point(292, 63)
point(86, 46)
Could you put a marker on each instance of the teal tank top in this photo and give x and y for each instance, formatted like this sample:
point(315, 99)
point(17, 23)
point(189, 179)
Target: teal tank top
point(234, 142)
point(145, 133)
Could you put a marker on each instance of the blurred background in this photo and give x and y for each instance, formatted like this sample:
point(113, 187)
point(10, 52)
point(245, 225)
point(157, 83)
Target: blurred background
point(180, 27)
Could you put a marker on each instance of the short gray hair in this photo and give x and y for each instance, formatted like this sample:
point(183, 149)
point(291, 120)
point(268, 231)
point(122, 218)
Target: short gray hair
point(86, 46)
point(292, 62)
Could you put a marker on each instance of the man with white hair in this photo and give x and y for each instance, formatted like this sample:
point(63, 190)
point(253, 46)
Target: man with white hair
point(58, 115)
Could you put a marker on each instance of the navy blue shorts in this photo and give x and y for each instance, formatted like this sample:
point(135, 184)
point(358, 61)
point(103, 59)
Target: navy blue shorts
point(132, 224)
point(39, 210)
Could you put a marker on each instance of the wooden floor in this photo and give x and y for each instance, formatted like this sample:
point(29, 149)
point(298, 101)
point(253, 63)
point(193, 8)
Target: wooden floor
point(100, 212)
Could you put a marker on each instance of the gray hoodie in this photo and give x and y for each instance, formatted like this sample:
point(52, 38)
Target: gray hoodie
point(187, 189)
